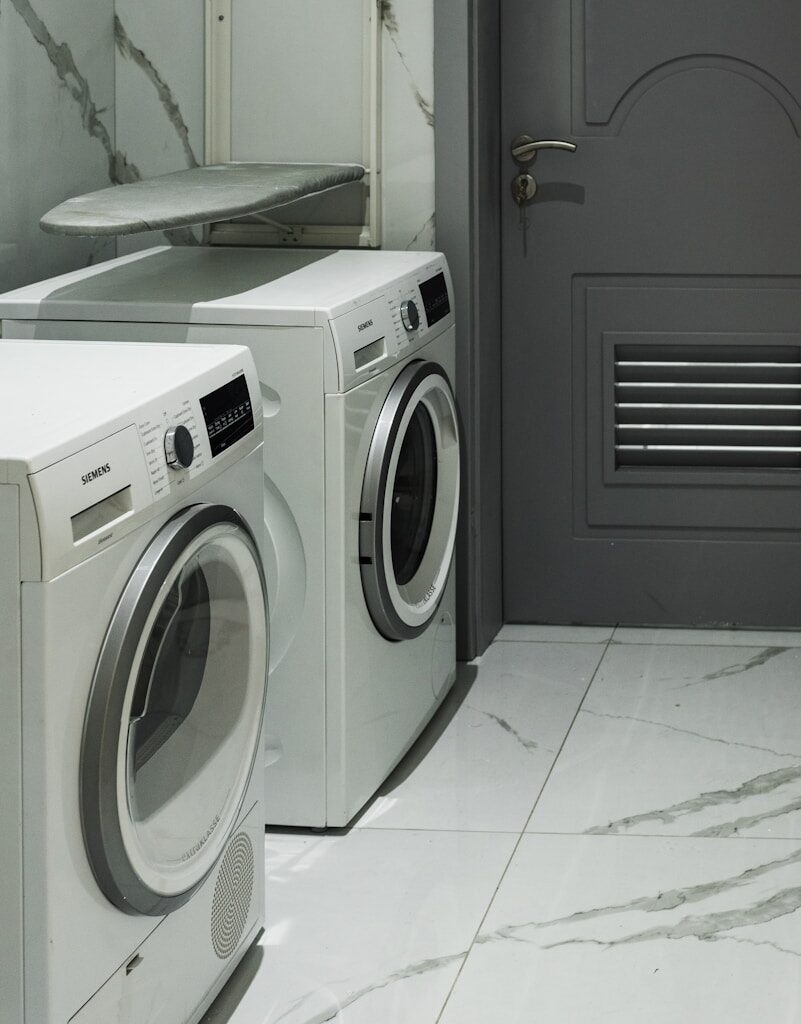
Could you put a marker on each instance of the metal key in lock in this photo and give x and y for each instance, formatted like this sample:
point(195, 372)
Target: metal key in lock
point(524, 188)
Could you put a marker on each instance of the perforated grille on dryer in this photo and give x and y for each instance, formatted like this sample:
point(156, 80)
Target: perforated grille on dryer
point(232, 896)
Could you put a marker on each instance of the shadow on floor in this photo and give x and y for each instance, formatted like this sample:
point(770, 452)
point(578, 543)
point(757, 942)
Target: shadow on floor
point(442, 718)
point(227, 1002)
point(465, 677)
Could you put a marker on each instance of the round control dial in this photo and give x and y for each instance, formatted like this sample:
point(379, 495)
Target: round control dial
point(179, 447)
point(410, 315)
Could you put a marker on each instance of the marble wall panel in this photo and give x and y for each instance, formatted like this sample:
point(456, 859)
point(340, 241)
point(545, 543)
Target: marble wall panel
point(408, 56)
point(159, 89)
point(160, 54)
point(57, 125)
point(93, 92)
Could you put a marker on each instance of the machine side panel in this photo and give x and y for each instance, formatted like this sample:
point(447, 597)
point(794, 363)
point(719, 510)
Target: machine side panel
point(290, 365)
point(11, 852)
point(337, 522)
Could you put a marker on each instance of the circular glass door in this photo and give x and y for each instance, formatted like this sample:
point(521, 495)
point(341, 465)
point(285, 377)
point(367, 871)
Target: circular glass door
point(410, 502)
point(174, 717)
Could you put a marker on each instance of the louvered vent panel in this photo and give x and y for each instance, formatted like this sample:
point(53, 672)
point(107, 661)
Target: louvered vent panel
point(712, 406)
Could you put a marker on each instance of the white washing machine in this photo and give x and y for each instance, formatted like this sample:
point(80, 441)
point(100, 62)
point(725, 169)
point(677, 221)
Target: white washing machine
point(133, 640)
point(355, 354)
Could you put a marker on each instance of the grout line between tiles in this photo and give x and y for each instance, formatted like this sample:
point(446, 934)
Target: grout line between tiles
point(553, 640)
point(700, 642)
point(444, 831)
point(766, 634)
point(522, 834)
point(707, 646)
point(567, 734)
point(308, 833)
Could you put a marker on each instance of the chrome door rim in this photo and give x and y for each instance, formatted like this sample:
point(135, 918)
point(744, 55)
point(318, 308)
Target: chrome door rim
point(404, 612)
point(100, 795)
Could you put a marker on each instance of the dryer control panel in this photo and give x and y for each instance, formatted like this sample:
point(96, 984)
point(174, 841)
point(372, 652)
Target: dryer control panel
point(166, 449)
point(390, 325)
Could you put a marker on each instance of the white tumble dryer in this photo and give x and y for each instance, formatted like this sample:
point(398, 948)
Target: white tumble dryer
point(133, 642)
point(355, 354)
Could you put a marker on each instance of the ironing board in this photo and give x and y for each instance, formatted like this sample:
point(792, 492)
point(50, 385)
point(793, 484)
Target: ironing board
point(201, 195)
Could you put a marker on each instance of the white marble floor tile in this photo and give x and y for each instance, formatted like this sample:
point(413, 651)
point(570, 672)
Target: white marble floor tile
point(674, 740)
point(483, 760)
point(557, 634)
point(366, 926)
point(709, 637)
point(596, 929)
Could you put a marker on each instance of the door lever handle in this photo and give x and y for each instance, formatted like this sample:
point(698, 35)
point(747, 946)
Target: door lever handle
point(525, 149)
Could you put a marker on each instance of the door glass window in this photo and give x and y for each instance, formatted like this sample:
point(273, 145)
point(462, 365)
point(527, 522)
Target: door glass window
point(413, 496)
point(193, 708)
point(410, 502)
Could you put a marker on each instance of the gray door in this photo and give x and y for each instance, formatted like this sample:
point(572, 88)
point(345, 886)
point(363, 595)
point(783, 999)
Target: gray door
point(652, 330)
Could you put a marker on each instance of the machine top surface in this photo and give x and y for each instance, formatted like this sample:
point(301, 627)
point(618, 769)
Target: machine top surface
point(220, 285)
point(57, 397)
point(101, 437)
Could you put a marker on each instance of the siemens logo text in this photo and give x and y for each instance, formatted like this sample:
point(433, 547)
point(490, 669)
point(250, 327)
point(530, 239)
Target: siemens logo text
point(87, 478)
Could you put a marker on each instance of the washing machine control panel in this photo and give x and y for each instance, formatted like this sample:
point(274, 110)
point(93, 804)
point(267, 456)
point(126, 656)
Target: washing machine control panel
point(436, 298)
point(410, 314)
point(386, 327)
point(179, 447)
point(165, 434)
point(228, 414)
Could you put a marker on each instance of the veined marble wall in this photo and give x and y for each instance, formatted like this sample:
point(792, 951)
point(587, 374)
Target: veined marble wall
point(409, 221)
point(159, 79)
point(57, 121)
point(93, 92)
point(159, 88)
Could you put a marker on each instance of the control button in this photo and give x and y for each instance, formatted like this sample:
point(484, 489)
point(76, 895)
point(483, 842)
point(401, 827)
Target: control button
point(179, 447)
point(410, 315)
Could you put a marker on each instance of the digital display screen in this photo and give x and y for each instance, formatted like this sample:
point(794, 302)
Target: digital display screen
point(435, 299)
point(228, 414)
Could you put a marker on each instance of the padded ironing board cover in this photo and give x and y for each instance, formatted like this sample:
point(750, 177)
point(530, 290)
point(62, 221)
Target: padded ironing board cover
point(201, 195)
